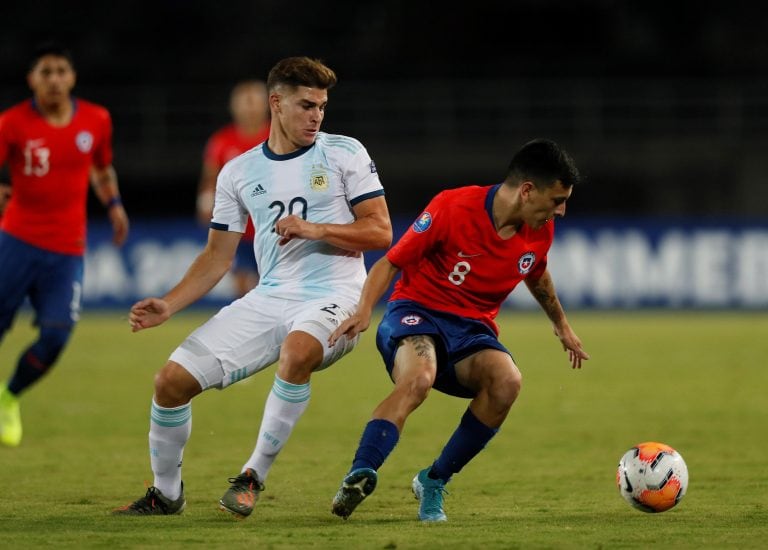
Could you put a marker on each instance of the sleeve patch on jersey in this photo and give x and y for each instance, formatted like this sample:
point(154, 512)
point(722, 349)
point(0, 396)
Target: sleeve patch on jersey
point(423, 223)
point(220, 226)
point(366, 196)
point(373, 167)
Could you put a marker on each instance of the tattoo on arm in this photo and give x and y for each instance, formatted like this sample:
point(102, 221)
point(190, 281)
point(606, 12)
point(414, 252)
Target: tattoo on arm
point(544, 291)
point(542, 296)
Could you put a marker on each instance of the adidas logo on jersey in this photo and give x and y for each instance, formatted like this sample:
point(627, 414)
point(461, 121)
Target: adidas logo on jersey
point(258, 190)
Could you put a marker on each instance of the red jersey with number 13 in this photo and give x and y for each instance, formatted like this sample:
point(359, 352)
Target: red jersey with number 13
point(50, 173)
point(453, 259)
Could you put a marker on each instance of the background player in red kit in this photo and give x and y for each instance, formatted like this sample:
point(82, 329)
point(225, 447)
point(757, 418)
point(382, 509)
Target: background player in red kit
point(54, 145)
point(249, 127)
point(460, 260)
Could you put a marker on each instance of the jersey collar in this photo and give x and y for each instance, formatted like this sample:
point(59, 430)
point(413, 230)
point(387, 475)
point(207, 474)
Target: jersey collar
point(288, 156)
point(489, 202)
point(37, 110)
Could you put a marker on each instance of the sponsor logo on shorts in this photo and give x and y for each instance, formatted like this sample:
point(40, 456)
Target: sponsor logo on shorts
point(423, 223)
point(525, 263)
point(411, 320)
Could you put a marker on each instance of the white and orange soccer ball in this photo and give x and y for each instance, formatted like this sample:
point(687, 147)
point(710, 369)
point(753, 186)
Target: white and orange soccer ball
point(652, 477)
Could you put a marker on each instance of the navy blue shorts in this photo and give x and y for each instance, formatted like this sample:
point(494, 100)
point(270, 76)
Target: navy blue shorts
point(245, 260)
point(455, 339)
point(53, 283)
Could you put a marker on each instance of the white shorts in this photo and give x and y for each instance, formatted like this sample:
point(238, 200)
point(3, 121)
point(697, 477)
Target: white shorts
point(245, 337)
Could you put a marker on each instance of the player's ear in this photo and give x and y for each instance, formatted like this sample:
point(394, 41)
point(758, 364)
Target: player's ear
point(274, 102)
point(525, 189)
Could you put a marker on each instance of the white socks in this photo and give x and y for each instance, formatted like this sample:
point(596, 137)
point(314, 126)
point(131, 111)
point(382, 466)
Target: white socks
point(285, 405)
point(169, 431)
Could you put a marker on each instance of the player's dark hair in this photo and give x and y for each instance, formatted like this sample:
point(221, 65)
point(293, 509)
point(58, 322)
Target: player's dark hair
point(543, 162)
point(50, 48)
point(301, 71)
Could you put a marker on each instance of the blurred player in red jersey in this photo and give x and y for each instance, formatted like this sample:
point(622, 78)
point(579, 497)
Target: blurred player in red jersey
point(250, 126)
point(459, 261)
point(54, 145)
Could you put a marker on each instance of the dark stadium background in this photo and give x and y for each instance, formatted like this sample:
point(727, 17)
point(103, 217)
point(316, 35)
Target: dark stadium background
point(664, 105)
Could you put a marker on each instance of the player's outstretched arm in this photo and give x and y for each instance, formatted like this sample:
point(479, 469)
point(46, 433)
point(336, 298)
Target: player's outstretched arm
point(206, 192)
point(571, 344)
point(543, 289)
point(205, 272)
point(148, 313)
point(371, 230)
point(376, 284)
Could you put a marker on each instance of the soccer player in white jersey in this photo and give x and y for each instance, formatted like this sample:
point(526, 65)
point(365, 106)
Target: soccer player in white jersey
point(316, 203)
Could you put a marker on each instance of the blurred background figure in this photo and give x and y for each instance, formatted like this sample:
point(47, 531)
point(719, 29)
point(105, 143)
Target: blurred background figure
point(54, 145)
point(249, 127)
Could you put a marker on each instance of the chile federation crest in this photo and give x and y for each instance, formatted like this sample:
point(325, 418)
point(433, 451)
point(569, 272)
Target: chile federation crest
point(525, 263)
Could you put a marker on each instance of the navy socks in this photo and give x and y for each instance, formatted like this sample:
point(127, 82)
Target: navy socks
point(378, 439)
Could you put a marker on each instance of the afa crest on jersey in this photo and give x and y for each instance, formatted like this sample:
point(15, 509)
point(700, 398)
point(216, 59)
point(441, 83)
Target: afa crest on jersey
point(525, 263)
point(318, 179)
point(84, 141)
point(423, 223)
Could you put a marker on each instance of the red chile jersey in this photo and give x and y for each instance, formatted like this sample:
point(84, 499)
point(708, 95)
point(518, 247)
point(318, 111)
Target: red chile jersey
point(50, 173)
point(226, 144)
point(452, 258)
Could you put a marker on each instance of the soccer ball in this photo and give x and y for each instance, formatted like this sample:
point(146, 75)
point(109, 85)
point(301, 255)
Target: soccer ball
point(652, 477)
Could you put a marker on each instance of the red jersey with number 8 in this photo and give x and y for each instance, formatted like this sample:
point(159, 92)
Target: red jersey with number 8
point(50, 173)
point(453, 259)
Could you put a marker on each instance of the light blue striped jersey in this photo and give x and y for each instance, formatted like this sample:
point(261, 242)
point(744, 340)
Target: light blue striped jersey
point(321, 183)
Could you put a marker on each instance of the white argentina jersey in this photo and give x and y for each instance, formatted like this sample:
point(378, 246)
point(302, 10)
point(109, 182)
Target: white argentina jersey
point(320, 183)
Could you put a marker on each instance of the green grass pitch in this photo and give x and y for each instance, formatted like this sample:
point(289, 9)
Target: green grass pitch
point(696, 381)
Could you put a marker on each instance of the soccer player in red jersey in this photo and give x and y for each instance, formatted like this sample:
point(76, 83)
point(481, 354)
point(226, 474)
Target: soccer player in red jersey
point(459, 261)
point(250, 127)
point(54, 145)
